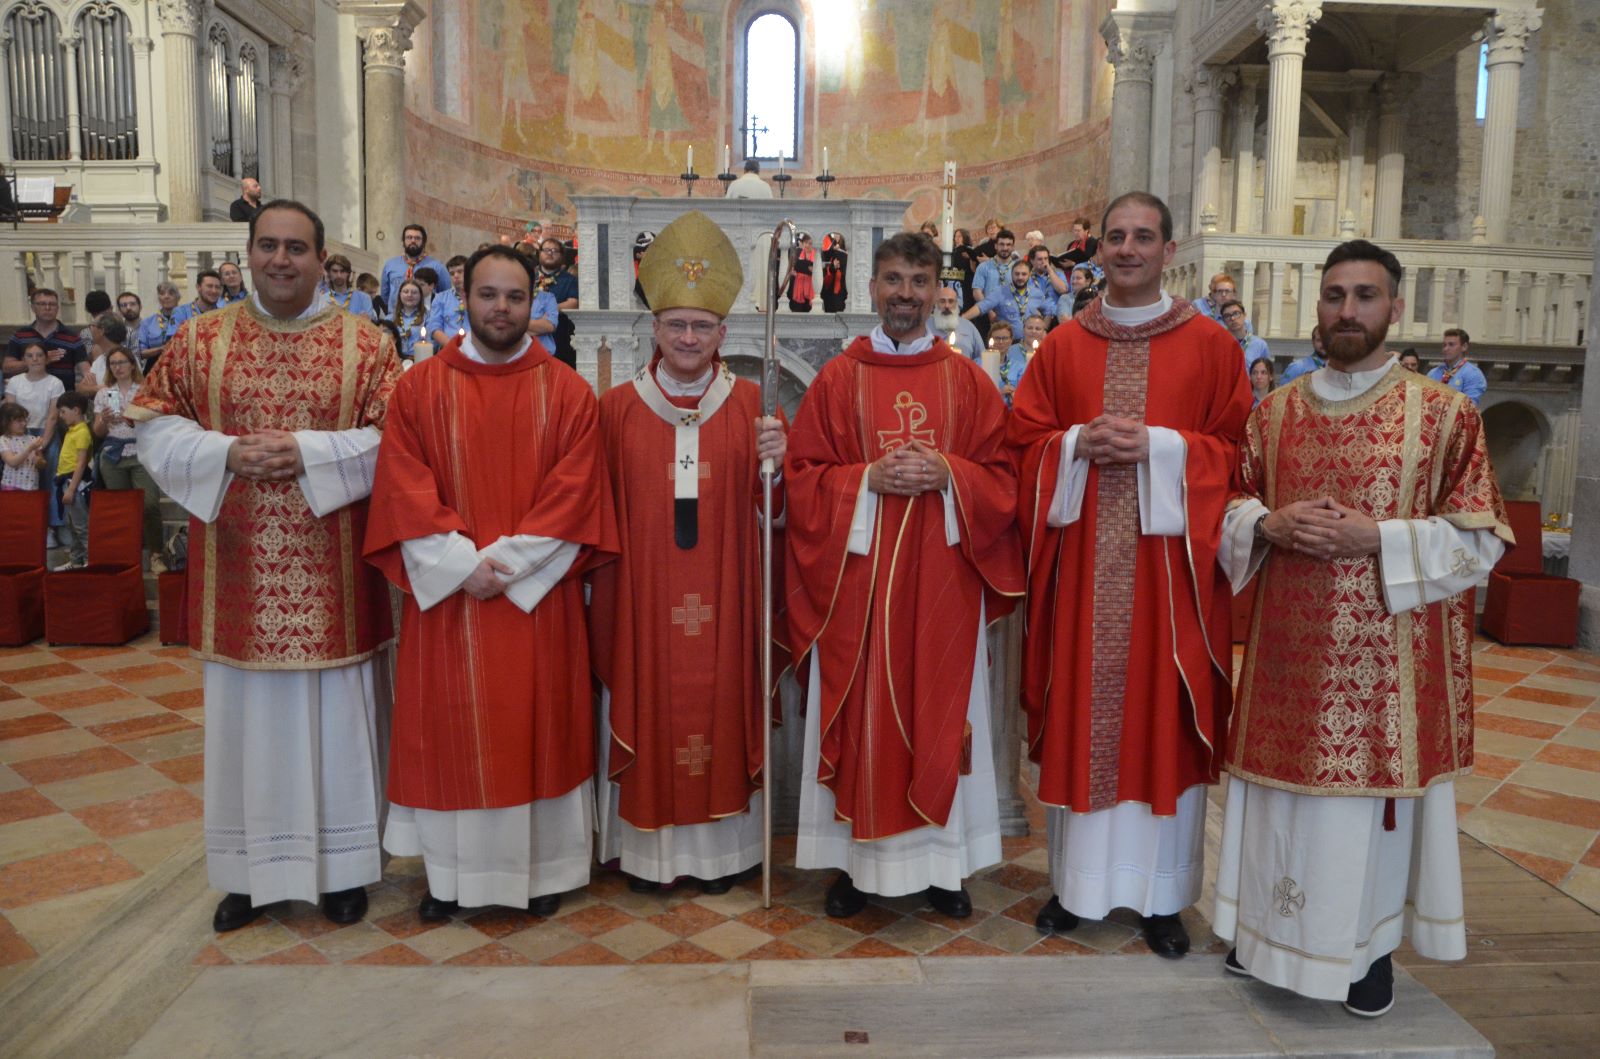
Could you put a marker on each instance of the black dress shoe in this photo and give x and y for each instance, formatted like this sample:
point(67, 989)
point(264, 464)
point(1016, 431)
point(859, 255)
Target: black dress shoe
point(1374, 994)
point(642, 886)
point(1232, 964)
point(433, 910)
point(953, 903)
point(1166, 936)
point(345, 906)
point(545, 905)
point(1053, 919)
point(717, 886)
point(235, 911)
point(844, 900)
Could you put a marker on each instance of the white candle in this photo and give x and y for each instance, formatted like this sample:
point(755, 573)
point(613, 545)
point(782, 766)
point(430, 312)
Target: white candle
point(947, 218)
point(953, 340)
point(991, 364)
point(727, 158)
point(824, 160)
point(1033, 350)
point(690, 161)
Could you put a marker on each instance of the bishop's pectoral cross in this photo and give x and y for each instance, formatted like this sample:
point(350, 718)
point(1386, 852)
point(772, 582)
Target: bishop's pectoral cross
point(913, 413)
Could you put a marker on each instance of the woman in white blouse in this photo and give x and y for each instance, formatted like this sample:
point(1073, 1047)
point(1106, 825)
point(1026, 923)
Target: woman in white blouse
point(119, 459)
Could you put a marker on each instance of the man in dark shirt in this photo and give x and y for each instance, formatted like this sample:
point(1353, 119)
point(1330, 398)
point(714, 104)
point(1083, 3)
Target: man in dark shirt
point(243, 210)
point(563, 286)
point(63, 346)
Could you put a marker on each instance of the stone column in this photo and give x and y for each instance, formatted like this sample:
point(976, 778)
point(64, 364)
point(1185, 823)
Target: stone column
point(180, 42)
point(1585, 561)
point(1359, 117)
point(1390, 182)
point(1507, 34)
point(385, 39)
point(286, 71)
point(1133, 55)
point(1287, 24)
point(1246, 106)
point(6, 49)
point(1207, 84)
point(69, 44)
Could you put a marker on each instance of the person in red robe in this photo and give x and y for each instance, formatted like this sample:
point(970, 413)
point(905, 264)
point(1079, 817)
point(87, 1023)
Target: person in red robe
point(490, 496)
point(1126, 427)
point(675, 622)
point(902, 545)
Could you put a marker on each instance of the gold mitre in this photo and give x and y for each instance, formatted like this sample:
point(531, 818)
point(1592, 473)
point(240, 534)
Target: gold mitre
point(691, 265)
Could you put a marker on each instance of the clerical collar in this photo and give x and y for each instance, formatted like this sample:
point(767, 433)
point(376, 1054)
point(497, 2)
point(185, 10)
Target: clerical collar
point(1331, 384)
point(470, 350)
point(673, 388)
point(882, 343)
point(319, 302)
point(1136, 315)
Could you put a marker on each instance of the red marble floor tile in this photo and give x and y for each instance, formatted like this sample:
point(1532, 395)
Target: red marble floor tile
point(586, 955)
point(1056, 945)
point(688, 919)
point(14, 948)
point(493, 954)
point(171, 652)
point(1014, 877)
point(870, 919)
point(300, 955)
point(1026, 910)
point(306, 921)
point(1545, 805)
point(74, 654)
point(1588, 719)
point(1572, 673)
point(24, 804)
point(872, 948)
point(7, 693)
point(938, 919)
point(777, 920)
point(182, 769)
point(1572, 757)
point(1549, 869)
point(1533, 654)
point(965, 946)
point(141, 727)
point(72, 871)
point(48, 671)
point(144, 813)
point(32, 724)
point(1499, 722)
point(1479, 701)
point(145, 671)
point(71, 700)
point(187, 699)
point(211, 956)
point(1549, 697)
point(1499, 676)
point(498, 922)
point(40, 771)
point(405, 924)
point(681, 952)
point(396, 955)
point(778, 949)
point(595, 920)
point(1493, 765)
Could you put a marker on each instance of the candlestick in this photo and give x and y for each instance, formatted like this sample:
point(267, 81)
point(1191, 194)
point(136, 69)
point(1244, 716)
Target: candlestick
point(825, 179)
point(782, 180)
point(688, 182)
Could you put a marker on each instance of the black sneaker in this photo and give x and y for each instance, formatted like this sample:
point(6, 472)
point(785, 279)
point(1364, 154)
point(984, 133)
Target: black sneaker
point(1374, 994)
point(1233, 965)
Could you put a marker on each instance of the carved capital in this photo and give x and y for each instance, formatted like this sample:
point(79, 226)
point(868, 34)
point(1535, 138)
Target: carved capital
point(180, 16)
point(286, 70)
point(1393, 91)
point(1132, 54)
point(384, 45)
point(1207, 84)
point(1287, 25)
point(1507, 35)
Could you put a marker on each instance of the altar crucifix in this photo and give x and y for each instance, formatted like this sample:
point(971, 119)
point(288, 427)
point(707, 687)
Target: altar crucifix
point(753, 130)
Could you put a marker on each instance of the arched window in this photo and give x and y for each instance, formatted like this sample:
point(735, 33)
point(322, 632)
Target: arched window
point(770, 123)
point(1483, 82)
point(108, 119)
point(37, 82)
point(249, 126)
point(220, 101)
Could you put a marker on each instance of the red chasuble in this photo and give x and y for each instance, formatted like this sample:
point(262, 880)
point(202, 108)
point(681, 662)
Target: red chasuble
point(675, 630)
point(1126, 662)
point(277, 587)
point(492, 706)
point(895, 631)
point(1337, 695)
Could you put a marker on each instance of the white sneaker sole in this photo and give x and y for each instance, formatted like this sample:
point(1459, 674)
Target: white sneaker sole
point(1370, 1014)
point(1231, 969)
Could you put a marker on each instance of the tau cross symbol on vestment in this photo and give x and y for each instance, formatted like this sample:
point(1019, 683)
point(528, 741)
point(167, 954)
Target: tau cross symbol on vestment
point(913, 413)
point(691, 615)
point(695, 755)
point(1289, 897)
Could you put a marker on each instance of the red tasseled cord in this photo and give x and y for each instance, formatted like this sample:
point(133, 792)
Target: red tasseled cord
point(1388, 814)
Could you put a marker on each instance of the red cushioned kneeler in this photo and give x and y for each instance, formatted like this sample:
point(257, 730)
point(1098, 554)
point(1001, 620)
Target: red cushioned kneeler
point(1525, 605)
point(24, 520)
point(172, 593)
point(103, 603)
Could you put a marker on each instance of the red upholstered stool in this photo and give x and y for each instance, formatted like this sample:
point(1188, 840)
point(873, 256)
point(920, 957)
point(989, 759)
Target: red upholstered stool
point(103, 603)
point(24, 519)
point(172, 593)
point(1524, 604)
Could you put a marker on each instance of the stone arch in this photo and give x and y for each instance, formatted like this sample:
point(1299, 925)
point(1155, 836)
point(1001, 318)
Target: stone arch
point(1517, 434)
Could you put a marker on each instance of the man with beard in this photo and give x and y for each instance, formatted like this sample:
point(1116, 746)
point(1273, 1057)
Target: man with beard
point(489, 497)
point(207, 296)
point(1012, 303)
point(1368, 505)
point(956, 329)
point(902, 546)
point(404, 266)
point(131, 307)
point(993, 273)
point(1313, 361)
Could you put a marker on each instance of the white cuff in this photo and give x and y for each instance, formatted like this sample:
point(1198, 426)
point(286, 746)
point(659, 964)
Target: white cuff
point(1422, 561)
point(338, 466)
point(537, 565)
point(862, 523)
point(1071, 481)
point(438, 565)
point(188, 462)
point(1160, 480)
point(1239, 554)
point(952, 521)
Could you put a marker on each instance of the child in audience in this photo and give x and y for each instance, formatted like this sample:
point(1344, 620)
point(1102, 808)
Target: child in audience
point(21, 451)
point(72, 474)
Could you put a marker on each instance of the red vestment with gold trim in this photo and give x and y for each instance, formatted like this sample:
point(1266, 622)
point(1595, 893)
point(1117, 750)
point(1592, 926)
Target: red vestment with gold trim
point(1126, 680)
point(1337, 695)
point(493, 706)
point(894, 630)
point(273, 585)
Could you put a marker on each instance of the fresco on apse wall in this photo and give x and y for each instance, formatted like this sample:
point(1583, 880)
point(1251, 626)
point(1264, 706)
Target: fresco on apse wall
point(566, 97)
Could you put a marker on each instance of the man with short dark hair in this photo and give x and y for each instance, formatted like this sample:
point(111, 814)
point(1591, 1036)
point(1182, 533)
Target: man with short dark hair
point(902, 547)
point(1367, 511)
point(1083, 246)
point(994, 273)
point(131, 307)
point(1012, 303)
point(749, 185)
point(207, 296)
point(404, 266)
point(1409, 360)
point(1457, 371)
point(1309, 363)
point(262, 421)
point(1232, 316)
point(447, 312)
point(243, 209)
point(63, 347)
point(555, 278)
point(95, 304)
